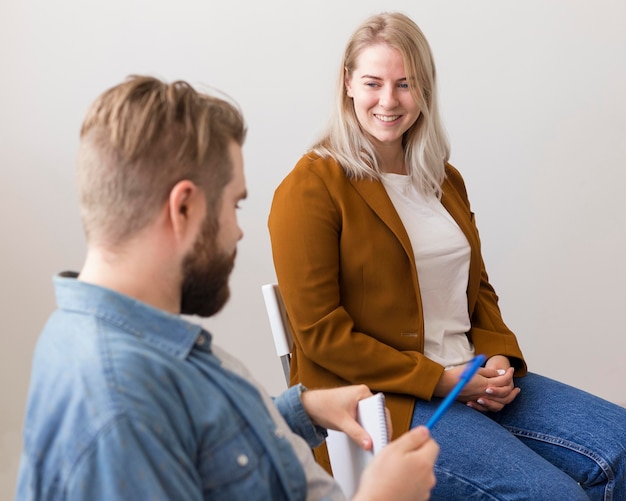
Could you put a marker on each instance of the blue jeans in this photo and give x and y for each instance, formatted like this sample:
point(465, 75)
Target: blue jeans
point(553, 442)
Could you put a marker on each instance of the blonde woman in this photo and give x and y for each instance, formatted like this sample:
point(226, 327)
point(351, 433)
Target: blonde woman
point(378, 258)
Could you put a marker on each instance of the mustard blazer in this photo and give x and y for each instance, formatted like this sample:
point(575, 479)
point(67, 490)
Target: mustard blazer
point(348, 277)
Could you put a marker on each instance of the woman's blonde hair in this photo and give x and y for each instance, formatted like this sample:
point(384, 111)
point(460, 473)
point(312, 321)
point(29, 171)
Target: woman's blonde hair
point(426, 147)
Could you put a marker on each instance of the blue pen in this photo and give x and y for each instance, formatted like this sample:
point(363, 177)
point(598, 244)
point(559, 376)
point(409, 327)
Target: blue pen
point(469, 371)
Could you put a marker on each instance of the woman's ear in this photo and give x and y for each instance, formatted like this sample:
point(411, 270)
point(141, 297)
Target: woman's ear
point(186, 209)
point(346, 82)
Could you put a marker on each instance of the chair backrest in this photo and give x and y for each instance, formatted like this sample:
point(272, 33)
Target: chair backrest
point(345, 456)
point(279, 324)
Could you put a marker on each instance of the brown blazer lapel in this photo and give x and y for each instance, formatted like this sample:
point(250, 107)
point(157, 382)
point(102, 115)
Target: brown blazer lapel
point(375, 196)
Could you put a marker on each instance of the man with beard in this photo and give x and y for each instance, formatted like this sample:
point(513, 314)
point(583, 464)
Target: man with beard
point(128, 400)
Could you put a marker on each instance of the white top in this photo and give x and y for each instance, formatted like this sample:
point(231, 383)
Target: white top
point(442, 256)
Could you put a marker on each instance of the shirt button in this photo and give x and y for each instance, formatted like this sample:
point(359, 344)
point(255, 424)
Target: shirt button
point(279, 433)
point(200, 340)
point(242, 460)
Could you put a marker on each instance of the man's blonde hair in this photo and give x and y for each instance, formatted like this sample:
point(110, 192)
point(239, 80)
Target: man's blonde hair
point(138, 140)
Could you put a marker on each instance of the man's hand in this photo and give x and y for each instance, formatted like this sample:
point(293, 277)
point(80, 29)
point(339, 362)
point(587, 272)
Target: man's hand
point(336, 408)
point(403, 470)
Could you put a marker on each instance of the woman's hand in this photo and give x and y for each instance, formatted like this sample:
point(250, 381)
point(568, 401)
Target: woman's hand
point(336, 408)
point(490, 389)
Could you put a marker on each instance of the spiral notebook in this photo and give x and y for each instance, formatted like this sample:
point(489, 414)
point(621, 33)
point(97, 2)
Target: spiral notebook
point(347, 459)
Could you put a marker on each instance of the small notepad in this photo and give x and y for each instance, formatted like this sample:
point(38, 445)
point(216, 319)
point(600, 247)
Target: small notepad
point(347, 459)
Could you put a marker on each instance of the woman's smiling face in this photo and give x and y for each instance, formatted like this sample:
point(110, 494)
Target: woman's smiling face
point(383, 102)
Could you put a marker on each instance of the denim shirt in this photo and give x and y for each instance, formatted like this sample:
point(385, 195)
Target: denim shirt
point(130, 402)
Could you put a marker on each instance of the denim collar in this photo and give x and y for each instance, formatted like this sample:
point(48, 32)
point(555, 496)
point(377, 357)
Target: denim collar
point(165, 331)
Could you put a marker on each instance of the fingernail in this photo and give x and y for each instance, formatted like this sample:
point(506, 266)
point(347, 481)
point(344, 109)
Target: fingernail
point(489, 391)
point(481, 401)
point(501, 372)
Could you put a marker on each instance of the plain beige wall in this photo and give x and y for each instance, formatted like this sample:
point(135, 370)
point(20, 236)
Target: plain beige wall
point(532, 96)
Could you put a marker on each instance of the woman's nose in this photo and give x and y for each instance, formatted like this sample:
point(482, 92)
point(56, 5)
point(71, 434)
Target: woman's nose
point(388, 99)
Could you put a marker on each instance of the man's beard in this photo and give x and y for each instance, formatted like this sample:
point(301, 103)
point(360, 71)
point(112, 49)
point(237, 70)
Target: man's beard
point(205, 275)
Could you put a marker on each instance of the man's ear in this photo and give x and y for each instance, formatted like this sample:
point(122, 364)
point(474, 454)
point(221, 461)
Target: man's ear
point(186, 209)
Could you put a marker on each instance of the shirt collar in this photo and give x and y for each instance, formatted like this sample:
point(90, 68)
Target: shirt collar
point(165, 331)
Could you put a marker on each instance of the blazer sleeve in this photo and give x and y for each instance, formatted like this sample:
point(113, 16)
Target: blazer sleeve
point(305, 225)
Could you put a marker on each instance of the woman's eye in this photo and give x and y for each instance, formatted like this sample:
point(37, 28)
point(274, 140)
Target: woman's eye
point(403, 85)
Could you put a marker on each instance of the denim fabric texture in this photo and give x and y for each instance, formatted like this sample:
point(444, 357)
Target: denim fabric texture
point(552, 443)
point(129, 402)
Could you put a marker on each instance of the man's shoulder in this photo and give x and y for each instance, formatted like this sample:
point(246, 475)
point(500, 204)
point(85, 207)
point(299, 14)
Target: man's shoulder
point(89, 372)
point(91, 382)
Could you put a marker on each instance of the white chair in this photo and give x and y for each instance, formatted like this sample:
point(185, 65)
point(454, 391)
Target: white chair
point(345, 457)
point(279, 324)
